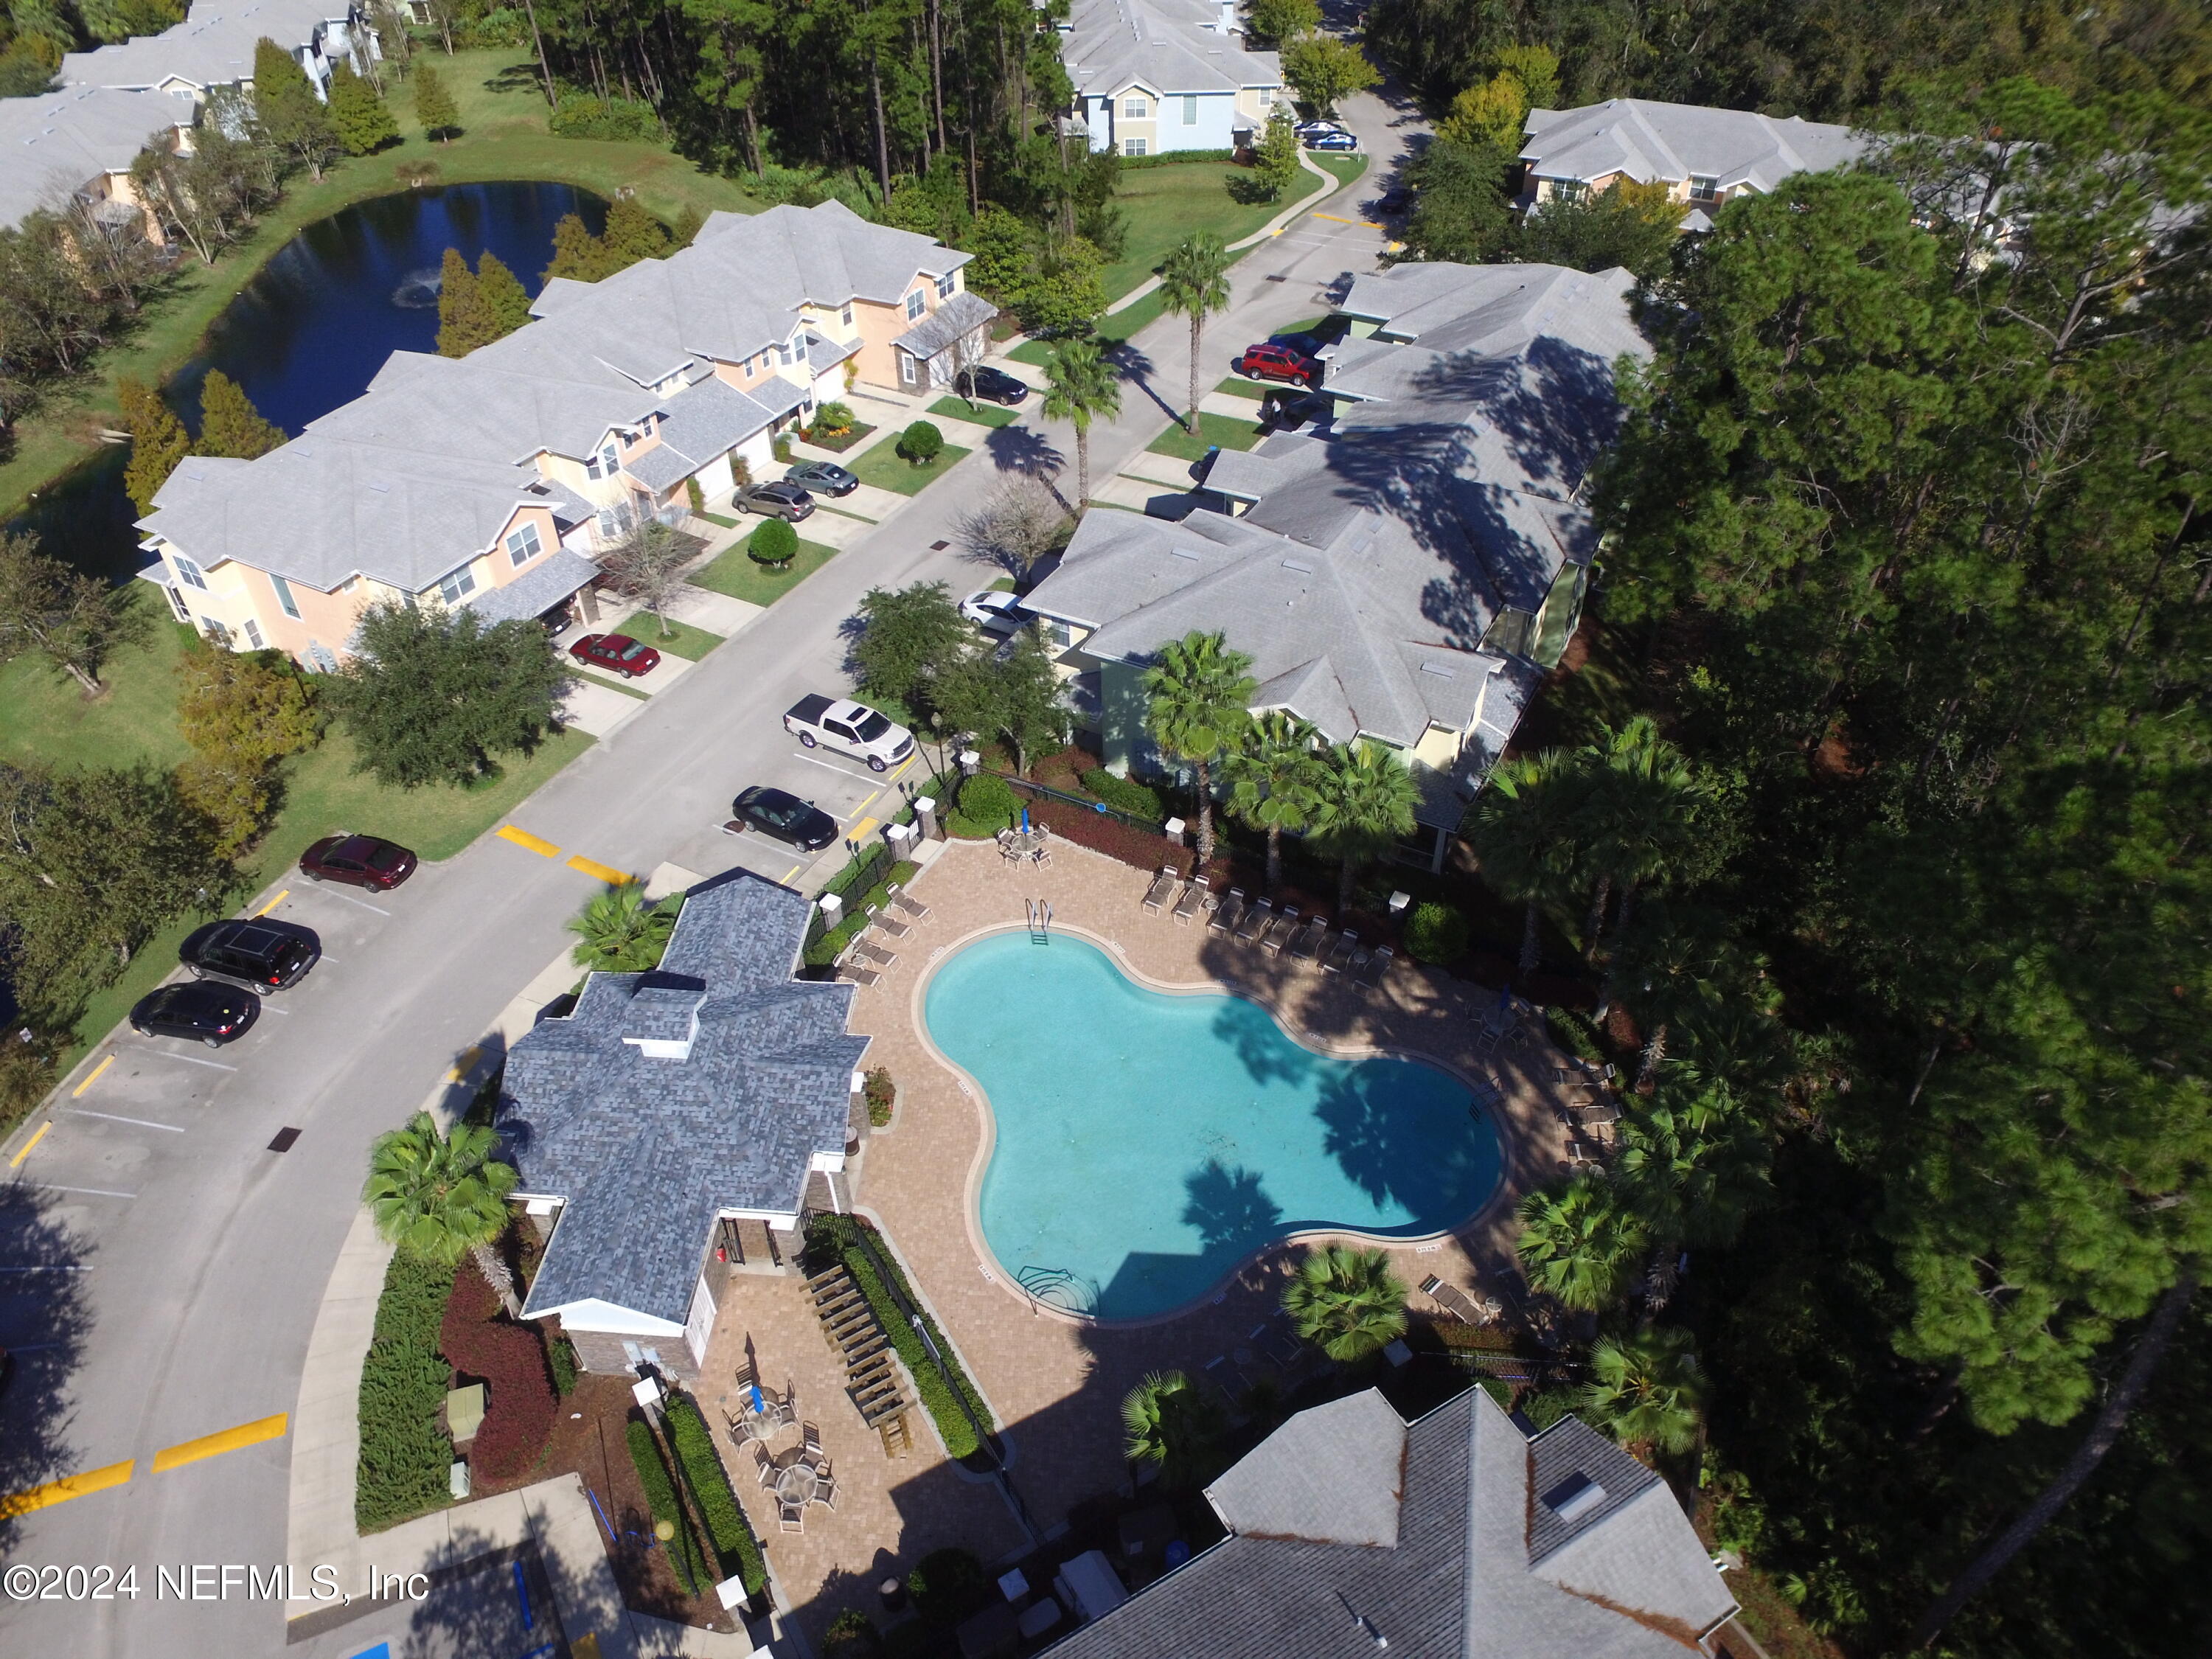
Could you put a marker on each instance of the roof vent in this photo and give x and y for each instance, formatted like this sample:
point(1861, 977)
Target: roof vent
point(380, 489)
point(1574, 1496)
point(1437, 669)
point(1184, 553)
point(1302, 569)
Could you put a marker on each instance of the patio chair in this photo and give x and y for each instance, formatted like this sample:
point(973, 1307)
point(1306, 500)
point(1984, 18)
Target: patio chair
point(907, 903)
point(858, 974)
point(1255, 920)
point(890, 925)
point(765, 1465)
point(1228, 913)
point(1347, 946)
point(1370, 975)
point(810, 1438)
point(1309, 941)
point(1191, 902)
point(1286, 922)
point(1581, 1151)
point(1163, 885)
point(875, 953)
point(1278, 1344)
point(825, 1494)
point(791, 1516)
point(1457, 1302)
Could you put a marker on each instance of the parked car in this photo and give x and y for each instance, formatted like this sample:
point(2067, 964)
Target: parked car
point(1306, 345)
point(1311, 129)
point(261, 955)
point(358, 861)
point(822, 477)
point(197, 1011)
point(618, 653)
point(851, 728)
point(776, 812)
point(1396, 199)
point(1339, 140)
point(1270, 361)
point(1282, 413)
point(994, 611)
point(991, 385)
point(778, 498)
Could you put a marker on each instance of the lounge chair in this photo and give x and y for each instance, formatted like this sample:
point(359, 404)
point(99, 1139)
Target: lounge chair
point(1309, 941)
point(1228, 913)
point(1456, 1303)
point(1286, 923)
point(1163, 885)
point(890, 925)
point(1191, 902)
point(1278, 1344)
point(810, 1438)
point(1255, 920)
point(858, 973)
point(1347, 946)
point(875, 953)
point(1370, 975)
point(906, 903)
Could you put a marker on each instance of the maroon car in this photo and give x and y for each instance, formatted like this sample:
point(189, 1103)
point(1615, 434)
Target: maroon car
point(358, 861)
point(618, 653)
point(1270, 361)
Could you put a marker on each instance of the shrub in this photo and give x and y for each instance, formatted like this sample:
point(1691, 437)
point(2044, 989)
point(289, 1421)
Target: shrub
point(660, 1491)
point(561, 1359)
point(695, 495)
point(741, 469)
point(773, 542)
point(920, 444)
point(879, 1092)
point(947, 1585)
point(1574, 1033)
point(1125, 795)
point(1436, 934)
point(833, 420)
point(852, 1633)
point(738, 1550)
point(481, 1342)
point(824, 950)
point(405, 1454)
point(987, 800)
point(579, 115)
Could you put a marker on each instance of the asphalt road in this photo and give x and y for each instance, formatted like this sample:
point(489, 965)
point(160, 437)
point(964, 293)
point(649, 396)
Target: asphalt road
point(161, 1266)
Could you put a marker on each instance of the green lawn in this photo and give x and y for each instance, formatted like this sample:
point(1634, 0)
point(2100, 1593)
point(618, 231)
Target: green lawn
point(1035, 352)
point(735, 573)
point(881, 467)
point(1221, 431)
point(503, 136)
point(686, 641)
point(1167, 203)
point(717, 518)
point(955, 408)
point(45, 716)
point(1237, 387)
point(1113, 330)
point(1345, 167)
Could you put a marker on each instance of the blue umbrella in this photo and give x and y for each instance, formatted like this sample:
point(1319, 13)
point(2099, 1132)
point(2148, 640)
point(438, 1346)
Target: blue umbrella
point(759, 1404)
point(1025, 820)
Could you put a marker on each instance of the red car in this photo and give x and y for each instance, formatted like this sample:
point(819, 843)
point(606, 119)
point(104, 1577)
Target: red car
point(358, 861)
point(1270, 361)
point(618, 653)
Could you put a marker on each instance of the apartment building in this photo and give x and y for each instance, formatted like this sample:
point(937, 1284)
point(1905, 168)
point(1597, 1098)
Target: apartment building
point(1156, 76)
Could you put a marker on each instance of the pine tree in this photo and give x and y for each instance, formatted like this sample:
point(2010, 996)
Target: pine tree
point(289, 112)
point(358, 114)
point(632, 234)
point(577, 252)
point(504, 302)
point(689, 223)
point(463, 321)
point(434, 106)
point(229, 423)
point(158, 442)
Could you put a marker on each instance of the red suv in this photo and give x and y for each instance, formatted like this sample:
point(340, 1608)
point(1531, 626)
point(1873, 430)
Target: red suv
point(358, 861)
point(618, 653)
point(1270, 361)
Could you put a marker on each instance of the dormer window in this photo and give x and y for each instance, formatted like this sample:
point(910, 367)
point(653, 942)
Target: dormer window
point(610, 463)
point(945, 285)
point(915, 302)
point(847, 316)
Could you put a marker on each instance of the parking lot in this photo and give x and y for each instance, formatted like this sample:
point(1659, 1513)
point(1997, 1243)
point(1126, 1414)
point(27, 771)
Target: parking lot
point(861, 801)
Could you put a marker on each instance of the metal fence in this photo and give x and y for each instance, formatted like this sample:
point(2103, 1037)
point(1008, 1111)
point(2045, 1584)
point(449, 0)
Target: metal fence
point(1045, 792)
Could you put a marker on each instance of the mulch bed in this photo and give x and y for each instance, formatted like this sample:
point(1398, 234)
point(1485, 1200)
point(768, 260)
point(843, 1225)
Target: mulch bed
point(843, 441)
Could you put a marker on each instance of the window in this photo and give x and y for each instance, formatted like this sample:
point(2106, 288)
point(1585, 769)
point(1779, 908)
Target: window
point(1568, 190)
point(253, 633)
point(283, 591)
point(783, 354)
point(606, 524)
point(1133, 107)
point(915, 302)
point(906, 368)
point(1704, 189)
point(591, 462)
point(187, 572)
point(1190, 109)
point(1133, 147)
point(459, 586)
point(522, 546)
point(945, 285)
point(846, 314)
point(610, 463)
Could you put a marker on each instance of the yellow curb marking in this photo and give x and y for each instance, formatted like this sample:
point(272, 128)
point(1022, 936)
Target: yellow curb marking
point(274, 902)
point(212, 1446)
point(16, 1162)
point(605, 872)
point(468, 1057)
point(89, 1082)
point(524, 838)
point(69, 1486)
point(861, 829)
point(794, 870)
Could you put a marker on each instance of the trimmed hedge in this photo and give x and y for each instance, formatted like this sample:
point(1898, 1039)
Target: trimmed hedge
point(561, 1358)
point(727, 1530)
point(1125, 795)
point(1436, 934)
point(1171, 157)
point(1575, 1033)
point(579, 115)
point(684, 1556)
point(405, 1458)
point(947, 1585)
point(919, 444)
point(826, 950)
point(481, 1341)
point(988, 803)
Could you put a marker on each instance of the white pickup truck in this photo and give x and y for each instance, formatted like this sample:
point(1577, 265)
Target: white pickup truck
point(850, 728)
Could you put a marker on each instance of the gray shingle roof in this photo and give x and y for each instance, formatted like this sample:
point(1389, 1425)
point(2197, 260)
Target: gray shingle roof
point(52, 144)
point(212, 47)
point(953, 320)
point(536, 590)
point(1169, 45)
point(1456, 1582)
point(644, 1151)
point(1335, 1474)
point(1650, 142)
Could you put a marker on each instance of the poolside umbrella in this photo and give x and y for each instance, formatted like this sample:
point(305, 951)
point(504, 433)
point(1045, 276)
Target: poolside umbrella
point(1025, 820)
point(759, 1405)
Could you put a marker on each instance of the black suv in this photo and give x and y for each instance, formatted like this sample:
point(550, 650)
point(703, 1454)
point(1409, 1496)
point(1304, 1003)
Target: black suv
point(262, 956)
point(993, 385)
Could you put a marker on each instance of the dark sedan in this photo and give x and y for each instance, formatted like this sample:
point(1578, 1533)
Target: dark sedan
point(618, 653)
point(358, 861)
point(787, 818)
point(196, 1010)
point(990, 385)
point(261, 955)
point(822, 477)
point(775, 500)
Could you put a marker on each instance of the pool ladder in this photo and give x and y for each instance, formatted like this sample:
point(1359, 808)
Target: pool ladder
point(1056, 1287)
point(1040, 920)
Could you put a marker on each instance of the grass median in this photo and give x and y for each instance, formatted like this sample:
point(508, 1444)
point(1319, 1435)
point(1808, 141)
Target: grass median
point(734, 573)
point(882, 467)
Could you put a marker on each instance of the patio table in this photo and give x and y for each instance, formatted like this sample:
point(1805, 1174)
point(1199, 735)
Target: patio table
point(796, 1483)
point(1024, 844)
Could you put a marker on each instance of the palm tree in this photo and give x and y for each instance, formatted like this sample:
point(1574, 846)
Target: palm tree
point(1199, 690)
point(1171, 1425)
point(1363, 804)
point(1693, 1167)
point(623, 931)
point(441, 1197)
point(1638, 815)
point(1347, 1300)
point(1081, 385)
point(1668, 963)
point(1272, 778)
point(1521, 829)
point(1645, 1390)
point(1194, 280)
point(1577, 1243)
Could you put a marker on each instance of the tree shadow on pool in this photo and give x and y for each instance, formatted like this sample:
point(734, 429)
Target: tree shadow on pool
point(1396, 1156)
point(1229, 1208)
point(1268, 1055)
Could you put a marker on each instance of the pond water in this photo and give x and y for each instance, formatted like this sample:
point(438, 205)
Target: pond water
point(311, 330)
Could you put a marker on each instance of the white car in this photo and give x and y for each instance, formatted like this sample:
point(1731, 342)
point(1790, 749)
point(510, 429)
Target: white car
point(994, 612)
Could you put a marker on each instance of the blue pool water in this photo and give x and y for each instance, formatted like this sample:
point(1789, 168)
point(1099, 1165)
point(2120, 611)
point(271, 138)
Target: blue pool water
point(1148, 1142)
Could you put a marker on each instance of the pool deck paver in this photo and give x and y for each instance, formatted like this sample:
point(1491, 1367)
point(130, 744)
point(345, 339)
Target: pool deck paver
point(1056, 1383)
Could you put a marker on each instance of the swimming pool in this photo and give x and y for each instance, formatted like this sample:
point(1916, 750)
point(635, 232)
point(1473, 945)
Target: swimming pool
point(1148, 1142)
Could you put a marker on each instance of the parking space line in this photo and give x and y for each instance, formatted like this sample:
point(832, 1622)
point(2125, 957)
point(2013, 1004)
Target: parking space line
point(787, 875)
point(827, 766)
point(351, 899)
point(94, 1078)
point(190, 1059)
point(605, 872)
point(69, 1486)
point(213, 1445)
point(16, 1162)
point(865, 804)
point(142, 1122)
point(523, 838)
point(93, 1192)
point(274, 902)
